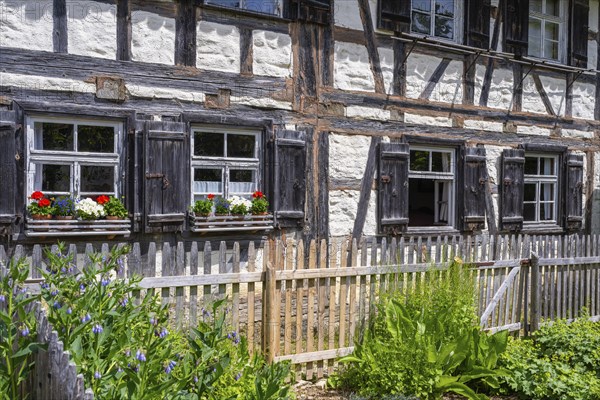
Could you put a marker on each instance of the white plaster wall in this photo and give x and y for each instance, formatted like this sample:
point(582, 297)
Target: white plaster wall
point(26, 24)
point(348, 156)
point(351, 67)
point(153, 92)
point(501, 89)
point(493, 155)
point(46, 83)
point(420, 67)
point(152, 38)
point(92, 28)
point(368, 113)
point(272, 54)
point(218, 47)
point(577, 134)
point(263, 102)
point(410, 118)
point(532, 102)
point(584, 95)
point(483, 125)
point(533, 130)
point(556, 91)
point(346, 14)
point(595, 203)
point(386, 59)
point(343, 206)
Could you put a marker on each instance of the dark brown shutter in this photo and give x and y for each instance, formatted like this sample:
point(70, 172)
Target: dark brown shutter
point(516, 27)
point(513, 174)
point(166, 172)
point(474, 188)
point(318, 11)
point(574, 194)
point(393, 187)
point(394, 15)
point(478, 23)
point(579, 33)
point(289, 182)
point(8, 177)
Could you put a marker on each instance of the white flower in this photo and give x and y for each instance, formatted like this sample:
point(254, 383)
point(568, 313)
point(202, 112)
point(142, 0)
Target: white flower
point(89, 208)
point(239, 201)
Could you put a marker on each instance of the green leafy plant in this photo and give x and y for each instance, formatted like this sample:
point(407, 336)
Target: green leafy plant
point(204, 207)
point(260, 204)
point(114, 207)
point(64, 206)
point(221, 206)
point(17, 329)
point(39, 205)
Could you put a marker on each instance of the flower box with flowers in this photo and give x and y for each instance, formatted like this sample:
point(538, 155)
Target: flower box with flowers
point(225, 215)
point(67, 216)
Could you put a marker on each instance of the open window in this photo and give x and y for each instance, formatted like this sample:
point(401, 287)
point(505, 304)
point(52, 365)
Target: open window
point(273, 7)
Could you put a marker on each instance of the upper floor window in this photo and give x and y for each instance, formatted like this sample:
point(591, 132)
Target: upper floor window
point(540, 188)
point(547, 29)
point(225, 162)
point(434, 18)
point(73, 158)
point(263, 6)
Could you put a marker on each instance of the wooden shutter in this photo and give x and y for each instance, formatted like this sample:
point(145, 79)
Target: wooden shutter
point(513, 174)
point(8, 177)
point(289, 182)
point(393, 187)
point(579, 33)
point(516, 27)
point(166, 172)
point(478, 23)
point(394, 15)
point(318, 11)
point(475, 178)
point(574, 194)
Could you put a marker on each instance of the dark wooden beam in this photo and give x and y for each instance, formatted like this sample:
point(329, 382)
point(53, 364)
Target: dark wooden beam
point(327, 52)
point(399, 79)
point(124, 30)
point(489, 69)
point(246, 52)
point(435, 78)
point(517, 96)
point(60, 40)
point(540, 88)
point(323, 177)
point(569, 95)
point(365, 189)
point(371, 42)
point(469, 69)
point(185, 33)
point(311, 227)
point(597, 103)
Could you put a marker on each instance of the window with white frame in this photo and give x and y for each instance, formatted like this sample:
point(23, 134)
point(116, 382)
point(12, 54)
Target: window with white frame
point(540, 189)
point(225, 162)
point(439, 18)
point(67, 157)
point(547, 29)
point(261, 6)
point(431, 187)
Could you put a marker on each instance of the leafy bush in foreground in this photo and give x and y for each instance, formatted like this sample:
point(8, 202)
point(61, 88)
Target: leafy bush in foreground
point(424, 342)
point(560, 361)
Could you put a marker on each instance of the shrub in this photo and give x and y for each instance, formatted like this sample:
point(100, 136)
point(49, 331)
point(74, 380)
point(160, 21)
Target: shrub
point(114, 207)
point(560, 361)
point(203, 207)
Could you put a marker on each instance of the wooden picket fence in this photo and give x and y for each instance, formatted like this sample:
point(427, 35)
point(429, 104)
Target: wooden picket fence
point(309, 302)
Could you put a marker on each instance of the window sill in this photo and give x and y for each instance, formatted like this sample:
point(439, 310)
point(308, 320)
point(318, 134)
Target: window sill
point(231, 223)
point(431, 230)
point(542, 228)
point(74, 227)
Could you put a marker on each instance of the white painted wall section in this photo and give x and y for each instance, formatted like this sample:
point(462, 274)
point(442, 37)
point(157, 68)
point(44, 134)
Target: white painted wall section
point(556, 91)
point(272, 54)
point(386, 60)
point(352, 70)
point(584, 96)
point(92, 28)
point(501, 89)
point(348, 156)
point(343, 206)
point(419, 69)
point(152, 38)
point(346, 14)
point(26, 24)
point(218, 47)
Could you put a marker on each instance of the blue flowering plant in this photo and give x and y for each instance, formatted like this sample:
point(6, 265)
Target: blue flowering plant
point(64, 206)
point(17, 329)
point(221, 206)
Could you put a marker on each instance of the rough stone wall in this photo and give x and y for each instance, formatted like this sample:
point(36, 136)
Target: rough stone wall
point(92, 28)
point(152, 38)
point(26, 24)
point(218, 47)
point(272, 54)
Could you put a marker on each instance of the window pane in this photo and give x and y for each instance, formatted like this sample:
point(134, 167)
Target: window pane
point(529, 192)
point(225, 3)
point(100, 139)
point(546, 211)
point(421, 23)
point(423, 5)
point(553, 7)
point(97, 179)
point(445, 7)
point(242, 181)
point(263, 6)
point(529, 212)
point(535, 37)
point(444, 27)
point(209, 144)
point(531, 166)
point(55, 178)
point(535, 5)
point(419, 160)
point(547, 166)
point(551, 31)
point(547, 192)
point(240, 146)
point(55, 136)
point(208, 181)
point(440, 162)
point(550, 50)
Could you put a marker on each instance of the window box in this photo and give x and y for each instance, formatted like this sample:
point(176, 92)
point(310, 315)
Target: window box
point(231, 223)
point(76, 227)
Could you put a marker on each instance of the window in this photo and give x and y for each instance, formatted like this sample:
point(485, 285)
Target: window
point(225, 162)
point(78, 158)
point(547, 29)
point(261, 6)
point(540, 189)
point(439, 18)
point(431, 187)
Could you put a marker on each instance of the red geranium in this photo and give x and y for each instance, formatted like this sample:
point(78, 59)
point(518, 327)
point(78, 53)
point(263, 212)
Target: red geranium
point(37, 195)
point(210, 197)
point(44, 203)
point(258, 195)
point(102, 199)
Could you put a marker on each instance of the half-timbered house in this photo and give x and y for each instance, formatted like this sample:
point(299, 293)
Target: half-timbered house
point(355, 117)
